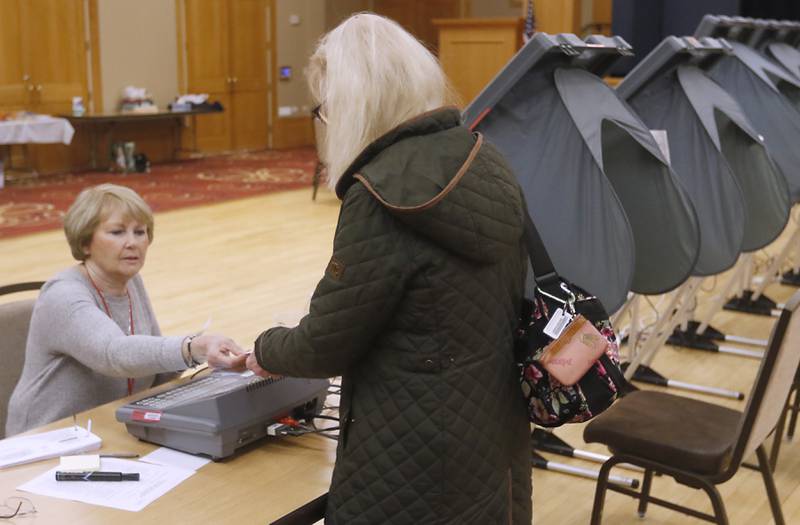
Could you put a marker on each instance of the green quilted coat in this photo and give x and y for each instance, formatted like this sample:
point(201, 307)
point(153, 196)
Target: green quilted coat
point(416, 312)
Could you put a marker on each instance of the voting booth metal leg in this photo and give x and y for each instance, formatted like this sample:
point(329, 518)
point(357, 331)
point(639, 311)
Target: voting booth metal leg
point(542, 463)
point(547, 441)
point(754, 301)
point(645, 374)
point(638, 369)
point(619, 314)
point(637, 355)
point(792, 277)
point(702, 336)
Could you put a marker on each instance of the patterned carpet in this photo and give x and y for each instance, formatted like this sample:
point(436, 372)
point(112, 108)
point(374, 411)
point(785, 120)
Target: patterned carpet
point(34, 204)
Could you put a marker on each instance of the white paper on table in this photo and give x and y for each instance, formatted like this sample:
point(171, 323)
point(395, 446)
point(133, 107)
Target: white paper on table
point(173, 458)
point(46, 445)
point(154, 482)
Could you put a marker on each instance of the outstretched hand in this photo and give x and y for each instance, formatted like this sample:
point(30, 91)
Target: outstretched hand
point(252, 364)
point(219, 351)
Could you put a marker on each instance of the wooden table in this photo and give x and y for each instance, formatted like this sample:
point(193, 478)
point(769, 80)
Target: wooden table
point(107, 123)
point(261, 483)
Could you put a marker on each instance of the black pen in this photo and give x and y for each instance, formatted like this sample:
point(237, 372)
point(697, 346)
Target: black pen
point(97, 476)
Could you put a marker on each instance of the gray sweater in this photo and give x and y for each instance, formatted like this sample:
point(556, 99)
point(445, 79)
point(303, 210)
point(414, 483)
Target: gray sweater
point(77, 357)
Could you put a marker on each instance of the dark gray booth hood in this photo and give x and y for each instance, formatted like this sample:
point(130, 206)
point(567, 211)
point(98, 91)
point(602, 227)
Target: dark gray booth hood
point(739, 194)
point(611, 213)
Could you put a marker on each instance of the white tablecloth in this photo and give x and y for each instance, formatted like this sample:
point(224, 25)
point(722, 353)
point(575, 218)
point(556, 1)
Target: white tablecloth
point(38, 130)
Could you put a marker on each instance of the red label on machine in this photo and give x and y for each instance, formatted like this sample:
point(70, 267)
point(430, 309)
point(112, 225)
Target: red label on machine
point(146, 416)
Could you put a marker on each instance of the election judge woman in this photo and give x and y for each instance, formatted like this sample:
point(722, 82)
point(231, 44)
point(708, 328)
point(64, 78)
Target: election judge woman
point(419, 303)
point(93, 336)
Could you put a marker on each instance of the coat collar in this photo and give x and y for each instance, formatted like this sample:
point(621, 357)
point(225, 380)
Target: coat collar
point(426, 123)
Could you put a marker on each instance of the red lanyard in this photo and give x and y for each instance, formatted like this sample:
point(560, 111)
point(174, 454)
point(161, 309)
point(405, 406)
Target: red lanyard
point(108, 312)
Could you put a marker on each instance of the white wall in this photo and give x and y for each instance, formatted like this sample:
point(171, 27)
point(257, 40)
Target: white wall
point(138, 46)
point(295, 45)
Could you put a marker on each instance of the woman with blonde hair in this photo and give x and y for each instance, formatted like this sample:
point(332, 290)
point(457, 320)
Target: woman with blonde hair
point(93, 336)
point(419, 302)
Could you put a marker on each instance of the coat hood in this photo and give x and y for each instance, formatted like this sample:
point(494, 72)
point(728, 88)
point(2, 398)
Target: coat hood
point(439, 178)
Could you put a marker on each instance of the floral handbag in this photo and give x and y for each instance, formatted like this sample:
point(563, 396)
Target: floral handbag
point(557, 301)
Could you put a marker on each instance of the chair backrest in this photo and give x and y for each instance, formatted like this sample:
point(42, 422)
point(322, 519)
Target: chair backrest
point(773, 383)
point(15, 319)
point(319, 138)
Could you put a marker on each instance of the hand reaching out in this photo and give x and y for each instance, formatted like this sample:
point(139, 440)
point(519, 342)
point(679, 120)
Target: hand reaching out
point(252, 364)
point(219, 351)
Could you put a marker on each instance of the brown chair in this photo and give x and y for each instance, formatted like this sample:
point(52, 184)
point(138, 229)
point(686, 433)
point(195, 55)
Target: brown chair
point(700, 444)
point(15, 318)
point(790, 412)
point(319, 138)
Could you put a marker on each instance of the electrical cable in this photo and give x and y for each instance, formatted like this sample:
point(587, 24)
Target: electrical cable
point(323, 416)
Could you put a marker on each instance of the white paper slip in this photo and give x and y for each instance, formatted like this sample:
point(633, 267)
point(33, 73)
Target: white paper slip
point(557, 323)
point(154, 482)
point(173, 458)
point(83, 463)
point(229, 373)
point(46, 445)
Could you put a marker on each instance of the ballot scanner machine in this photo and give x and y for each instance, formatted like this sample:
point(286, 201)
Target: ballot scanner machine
point(216, 414)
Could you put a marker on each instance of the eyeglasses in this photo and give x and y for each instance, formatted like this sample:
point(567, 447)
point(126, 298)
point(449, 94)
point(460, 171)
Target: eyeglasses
point(15, 506)
point(316, 112)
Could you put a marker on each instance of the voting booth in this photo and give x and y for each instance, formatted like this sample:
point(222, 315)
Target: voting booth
point(612, 214)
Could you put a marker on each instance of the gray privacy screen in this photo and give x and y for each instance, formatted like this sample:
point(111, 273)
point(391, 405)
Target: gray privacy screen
point(715, 193)
point(770, 97)
point(764, 188)
point(665, 229)
point(785, 55)
point(739, 195)
point(609, 210)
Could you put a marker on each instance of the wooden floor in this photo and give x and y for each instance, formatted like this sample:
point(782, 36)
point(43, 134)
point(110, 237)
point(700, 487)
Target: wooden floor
point(253, 263)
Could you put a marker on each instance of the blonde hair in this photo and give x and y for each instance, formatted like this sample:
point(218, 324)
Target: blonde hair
point(370, 75)
point(93, 205)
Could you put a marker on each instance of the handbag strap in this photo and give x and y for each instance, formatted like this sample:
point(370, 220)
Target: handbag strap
point(624, 387)
point(544, 272)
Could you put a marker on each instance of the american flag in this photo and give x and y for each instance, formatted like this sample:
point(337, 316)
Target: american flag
point(530, 23)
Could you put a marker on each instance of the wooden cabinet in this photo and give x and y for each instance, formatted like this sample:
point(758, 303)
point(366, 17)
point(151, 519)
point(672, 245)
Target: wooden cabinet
point(558, 16)
point(473, 50)
point(226, 55)
point(43, 59)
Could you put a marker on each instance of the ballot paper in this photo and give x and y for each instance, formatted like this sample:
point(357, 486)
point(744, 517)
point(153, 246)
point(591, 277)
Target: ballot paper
point(154, 482)
point(46, 445)
point(173, 458)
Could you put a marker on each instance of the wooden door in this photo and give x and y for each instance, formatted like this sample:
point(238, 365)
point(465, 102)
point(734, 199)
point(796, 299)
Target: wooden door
point(207, 68)
point(248, 70)
point(13, 76)
point(473, 50)
point(55, 55)
point(54, 51)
